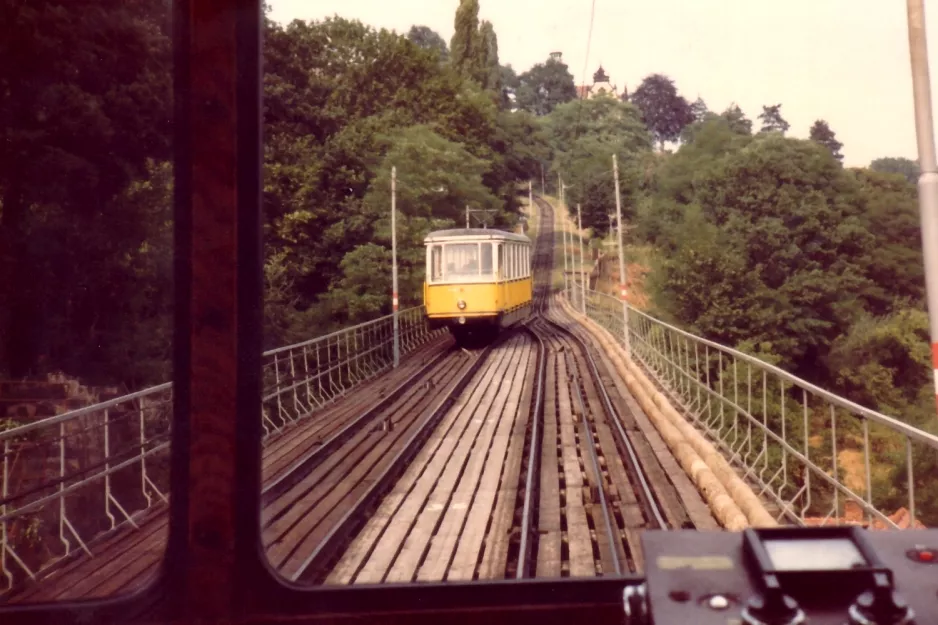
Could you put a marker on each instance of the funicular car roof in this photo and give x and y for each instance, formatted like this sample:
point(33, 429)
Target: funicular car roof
point(474, 234)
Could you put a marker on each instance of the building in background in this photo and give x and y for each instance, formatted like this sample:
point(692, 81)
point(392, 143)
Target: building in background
point(601, 86)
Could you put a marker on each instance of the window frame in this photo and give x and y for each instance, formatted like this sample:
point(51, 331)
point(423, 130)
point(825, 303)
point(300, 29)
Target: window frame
point(214, 567)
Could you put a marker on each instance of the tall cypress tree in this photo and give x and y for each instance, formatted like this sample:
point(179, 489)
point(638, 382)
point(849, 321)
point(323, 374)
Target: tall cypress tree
point(490, 72)
point(464, 47)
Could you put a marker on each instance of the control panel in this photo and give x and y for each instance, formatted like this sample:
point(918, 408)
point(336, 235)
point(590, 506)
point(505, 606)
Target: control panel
point(787, 576)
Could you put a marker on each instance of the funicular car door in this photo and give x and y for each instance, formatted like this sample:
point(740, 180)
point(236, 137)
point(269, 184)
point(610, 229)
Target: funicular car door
point(501, 290)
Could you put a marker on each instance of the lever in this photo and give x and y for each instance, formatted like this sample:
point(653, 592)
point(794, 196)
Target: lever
point(772, 608)
point(635, 605)
point(881, 606)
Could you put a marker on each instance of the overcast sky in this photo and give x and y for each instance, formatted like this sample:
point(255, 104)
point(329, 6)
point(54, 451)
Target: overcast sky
point(844, 61)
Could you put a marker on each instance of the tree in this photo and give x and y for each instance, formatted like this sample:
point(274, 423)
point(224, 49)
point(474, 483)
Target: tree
point(606, 119)
point(490, 70)
point(76, 129)
point(544, 87)
point(822, 133)
point(783, 264)
point(509, 85)
point(884, 361)
point(889, 210)
point(585, 134)
point(699, 110)
point(737, 120)
point(772, 120)
point(465, 47)
point(902, 166)
point(436, 178)
point(664, 111)
point(428, 39)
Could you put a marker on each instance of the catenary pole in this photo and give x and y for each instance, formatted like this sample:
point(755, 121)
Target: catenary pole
point(579, 225)
point(928, 177)
point(622, 277)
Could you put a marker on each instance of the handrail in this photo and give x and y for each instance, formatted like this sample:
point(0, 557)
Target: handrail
point(817, 453)
point(111, 458)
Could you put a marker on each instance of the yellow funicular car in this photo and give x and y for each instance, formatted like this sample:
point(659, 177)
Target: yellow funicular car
point(478, 280)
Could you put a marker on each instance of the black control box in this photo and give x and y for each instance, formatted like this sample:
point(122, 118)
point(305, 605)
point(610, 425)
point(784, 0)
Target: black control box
point(786, 576)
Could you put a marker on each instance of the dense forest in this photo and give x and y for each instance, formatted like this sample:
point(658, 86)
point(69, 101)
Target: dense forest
point(760, 241)
point(85, 187)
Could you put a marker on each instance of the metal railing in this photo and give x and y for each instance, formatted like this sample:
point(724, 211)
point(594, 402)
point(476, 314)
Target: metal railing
point(70, 481)
point(819, 457)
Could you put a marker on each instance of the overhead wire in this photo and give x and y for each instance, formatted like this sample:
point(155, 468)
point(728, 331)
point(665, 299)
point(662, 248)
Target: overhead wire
point(589, 40)
point(580, 97)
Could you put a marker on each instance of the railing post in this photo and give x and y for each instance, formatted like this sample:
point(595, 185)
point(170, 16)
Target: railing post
point(394, 301)
point(579, 222)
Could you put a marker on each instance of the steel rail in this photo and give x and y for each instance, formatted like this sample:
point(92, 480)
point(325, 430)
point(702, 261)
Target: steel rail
point(594, 457)
point(542, 260)
point(531, 499)
point(312, 459)
point(635, 468)
point(645, 493)
point(317, 564)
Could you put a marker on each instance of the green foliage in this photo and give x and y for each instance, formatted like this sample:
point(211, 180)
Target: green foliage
point(85, 215)
point(699, 110)
point(737, 120)
point(544, 87)
point(490, 70)
point(902, 166)
point(822, 133)
point(791, 249)
point(664, 111)
point(768, 244)
point(885, 361)
point(429, 39)
point(585, 134)
point(466, 47)
point(603, 119)
point(85, 107)
point(772, 120)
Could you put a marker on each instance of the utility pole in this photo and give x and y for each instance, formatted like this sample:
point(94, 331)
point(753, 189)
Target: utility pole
point(564, 223)
point(579, 222)
point(394, 301)
point(467, 216)
point(928, 177)
point(622, 280)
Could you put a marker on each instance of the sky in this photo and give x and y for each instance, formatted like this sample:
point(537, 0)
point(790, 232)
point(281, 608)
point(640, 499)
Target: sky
point(844, 61)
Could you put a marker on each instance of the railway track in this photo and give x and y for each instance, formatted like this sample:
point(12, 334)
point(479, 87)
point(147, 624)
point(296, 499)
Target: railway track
point(532, 473)
point(522, 459)
point(593, 495)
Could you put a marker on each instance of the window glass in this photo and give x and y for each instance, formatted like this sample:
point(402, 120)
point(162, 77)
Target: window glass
point(487, 259)
point(512, 263)
point(436, 263)
point(461, 260)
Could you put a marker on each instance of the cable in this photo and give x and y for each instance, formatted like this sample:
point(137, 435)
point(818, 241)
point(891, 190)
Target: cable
point(589, 40)
point(579, 110)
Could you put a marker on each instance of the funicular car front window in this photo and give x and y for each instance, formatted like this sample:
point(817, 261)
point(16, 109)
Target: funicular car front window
point(461, 260)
